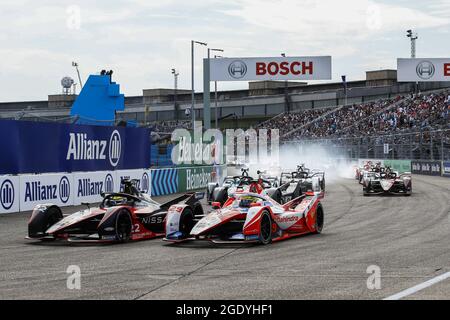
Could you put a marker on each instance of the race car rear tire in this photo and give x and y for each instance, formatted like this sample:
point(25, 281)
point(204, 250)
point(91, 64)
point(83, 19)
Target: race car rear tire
point(124, 225)
point(265, 230)
point(318, 225)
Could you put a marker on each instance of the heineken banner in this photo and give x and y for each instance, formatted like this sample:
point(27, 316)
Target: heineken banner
point(197, 178)
point(401, 166)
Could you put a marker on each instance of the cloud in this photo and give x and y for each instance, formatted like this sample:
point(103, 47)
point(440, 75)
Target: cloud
point(327, 19)
point(142, 40)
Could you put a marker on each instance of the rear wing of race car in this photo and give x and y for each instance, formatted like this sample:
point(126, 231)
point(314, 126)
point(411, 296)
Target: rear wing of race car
point(315, 174)
point(287, 175)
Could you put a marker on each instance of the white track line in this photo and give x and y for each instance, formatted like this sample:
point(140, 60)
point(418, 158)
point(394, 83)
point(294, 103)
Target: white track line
point(418, 287)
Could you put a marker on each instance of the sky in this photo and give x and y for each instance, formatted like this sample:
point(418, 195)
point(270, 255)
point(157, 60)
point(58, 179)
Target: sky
point(142, 40)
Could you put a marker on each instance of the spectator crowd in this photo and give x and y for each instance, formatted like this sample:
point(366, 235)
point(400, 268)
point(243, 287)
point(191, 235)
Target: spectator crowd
point(414, 113)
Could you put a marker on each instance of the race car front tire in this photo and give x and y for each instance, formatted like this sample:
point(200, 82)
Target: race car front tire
point(186, 221)
point(44, 220)
point(265, 230)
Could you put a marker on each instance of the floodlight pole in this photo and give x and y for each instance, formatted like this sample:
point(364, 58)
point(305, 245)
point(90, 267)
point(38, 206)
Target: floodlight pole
point(413, 36)
point(215, 99)
point(175, 92)
point(286, 94)
point(75, 64)
point(206, 89)
point(193, 42)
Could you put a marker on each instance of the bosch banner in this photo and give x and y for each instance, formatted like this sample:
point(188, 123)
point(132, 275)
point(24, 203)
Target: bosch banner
point(423, 70)
point(36, 147)
point(275, 68)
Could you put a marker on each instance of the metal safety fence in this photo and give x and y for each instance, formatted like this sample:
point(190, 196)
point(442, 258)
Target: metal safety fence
point(423, 145)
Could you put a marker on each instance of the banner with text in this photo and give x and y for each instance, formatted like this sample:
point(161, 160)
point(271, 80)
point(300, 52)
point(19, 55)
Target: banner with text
point(423, 70)
point(38, 147)
point(430, 168)
point(271, 68)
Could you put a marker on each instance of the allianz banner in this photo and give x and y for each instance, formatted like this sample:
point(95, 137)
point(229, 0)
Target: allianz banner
point(37, 147)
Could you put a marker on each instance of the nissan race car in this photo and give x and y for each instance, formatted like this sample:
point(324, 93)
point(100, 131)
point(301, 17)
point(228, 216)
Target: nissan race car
point(216, 193)
point(249, 217)
point(121, 217)
point(386, 181)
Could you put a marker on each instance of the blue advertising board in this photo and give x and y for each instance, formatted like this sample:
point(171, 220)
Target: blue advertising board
point(446, 169)
point(37, 147)
point(429, 168)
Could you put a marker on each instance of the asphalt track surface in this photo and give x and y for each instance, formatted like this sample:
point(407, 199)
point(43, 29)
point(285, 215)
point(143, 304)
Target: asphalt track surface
point(408, 238)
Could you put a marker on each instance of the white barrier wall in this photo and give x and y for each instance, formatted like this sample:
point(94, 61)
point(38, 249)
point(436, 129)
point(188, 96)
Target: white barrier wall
point(56, 188)
point(89, 185)
point(9, 194)
point(142, 175)
point(24, 192)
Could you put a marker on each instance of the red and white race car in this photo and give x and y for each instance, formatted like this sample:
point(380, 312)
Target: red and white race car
point(248, 217)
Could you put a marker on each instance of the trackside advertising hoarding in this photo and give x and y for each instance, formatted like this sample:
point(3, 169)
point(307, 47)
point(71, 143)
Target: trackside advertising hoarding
point(24, 192)
point(430, 168)
point(401, 166)
point(50, 188)
point(197, 178)
point(423, 69)
point(37, 147)
point(9, 194)
point(446, 169)
point(271, 68)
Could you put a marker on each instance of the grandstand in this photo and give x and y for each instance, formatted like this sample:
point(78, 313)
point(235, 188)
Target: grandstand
point(236, 108)
point(415, 127)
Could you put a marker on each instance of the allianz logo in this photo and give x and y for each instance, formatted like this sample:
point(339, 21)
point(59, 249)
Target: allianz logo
point(7, 194)
point(87, 187)
point(38, 191)
point(82, 148)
